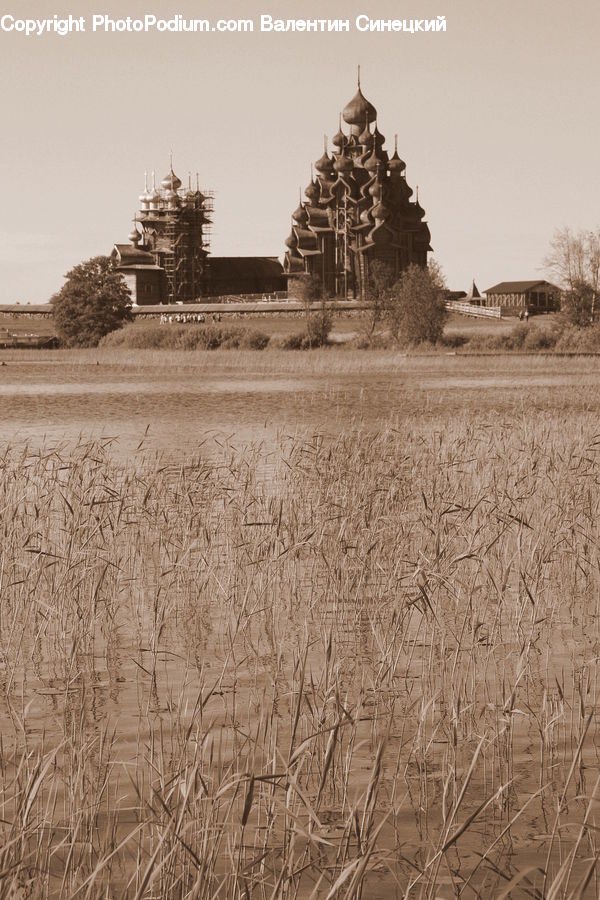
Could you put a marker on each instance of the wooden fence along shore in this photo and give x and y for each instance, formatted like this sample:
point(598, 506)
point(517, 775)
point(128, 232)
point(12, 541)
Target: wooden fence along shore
point(465, 309)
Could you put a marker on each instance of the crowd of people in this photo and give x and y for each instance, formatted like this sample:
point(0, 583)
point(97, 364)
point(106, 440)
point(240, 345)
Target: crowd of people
point(186, 318)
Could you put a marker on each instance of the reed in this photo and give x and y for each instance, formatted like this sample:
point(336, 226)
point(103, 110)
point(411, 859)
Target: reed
point(362, 665)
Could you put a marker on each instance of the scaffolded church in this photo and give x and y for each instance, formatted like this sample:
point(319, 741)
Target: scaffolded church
point(169, 261)
point(357, 209)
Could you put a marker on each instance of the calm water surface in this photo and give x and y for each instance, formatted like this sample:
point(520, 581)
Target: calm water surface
point(181, 408)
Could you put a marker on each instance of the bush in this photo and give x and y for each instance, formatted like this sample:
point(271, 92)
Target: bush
point(315, 334)
point(416, 311)
point(577, 304)
point(580, 340)
point(539, 339)
point(380, 340)
point(186, 337)
point(454, 340)
point(294, 341)
point(516, 339)
point(254, 340)
point(523, 337)
point(318, 328)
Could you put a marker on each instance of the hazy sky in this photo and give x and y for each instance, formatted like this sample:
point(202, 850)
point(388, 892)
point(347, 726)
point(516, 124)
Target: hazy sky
point(497, 120)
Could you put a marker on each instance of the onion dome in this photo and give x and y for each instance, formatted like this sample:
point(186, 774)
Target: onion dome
point(134, 236)
point(373, 161)
point(291, 241)
point(324, 163)
point(375, 190)
point(378, 138)
point(396, 164)
point(144, 197)
point(365, 217)
point(153, 195)
point(198, 195)
point(312, 190)
point(171, 181)
point(342, 163)
point(365, 137)
point(339, 139)
point(172, 199)
point(299, 215)
point(190, 195)
point(380, 211)
point(358, 110)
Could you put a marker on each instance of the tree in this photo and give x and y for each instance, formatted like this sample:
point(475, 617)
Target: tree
point(93, 301)
point(309, 289)
point(577, 305)
point(379, 294)
point(574, 260)
point(416, 310)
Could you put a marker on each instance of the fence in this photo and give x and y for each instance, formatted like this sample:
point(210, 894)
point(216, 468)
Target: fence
point(465, 309)
point(268, 307)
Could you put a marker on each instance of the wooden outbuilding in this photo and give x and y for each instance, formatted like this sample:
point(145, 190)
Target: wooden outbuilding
point(516, 296)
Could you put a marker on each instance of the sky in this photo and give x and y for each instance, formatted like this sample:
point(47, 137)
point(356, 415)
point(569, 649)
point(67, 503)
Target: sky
point(497, 120)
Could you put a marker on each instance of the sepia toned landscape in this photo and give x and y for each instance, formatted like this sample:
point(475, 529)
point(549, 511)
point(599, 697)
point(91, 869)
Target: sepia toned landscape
point(299, 625)
point(300, 452)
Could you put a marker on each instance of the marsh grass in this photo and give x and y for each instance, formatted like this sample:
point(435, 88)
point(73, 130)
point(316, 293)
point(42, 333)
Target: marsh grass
point(359, 666)
point(329, 361)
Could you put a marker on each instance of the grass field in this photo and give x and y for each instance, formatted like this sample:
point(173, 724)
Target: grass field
point(470, 325)
point(361, 665)
point(284, 325)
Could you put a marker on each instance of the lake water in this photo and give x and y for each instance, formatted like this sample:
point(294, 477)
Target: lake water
point(178, 408)
point(211, 583)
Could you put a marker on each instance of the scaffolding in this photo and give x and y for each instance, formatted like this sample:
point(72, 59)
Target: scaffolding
point(177, 230)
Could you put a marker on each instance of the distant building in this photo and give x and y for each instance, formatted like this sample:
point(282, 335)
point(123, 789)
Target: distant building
point(169, 261)
point(535, 296)
point(244, 275)
point(474, 297)
point(145, 280)
point(357, 209)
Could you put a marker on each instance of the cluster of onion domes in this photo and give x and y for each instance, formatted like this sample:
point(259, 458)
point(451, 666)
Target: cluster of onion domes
point(168, 197)
point(359, 178)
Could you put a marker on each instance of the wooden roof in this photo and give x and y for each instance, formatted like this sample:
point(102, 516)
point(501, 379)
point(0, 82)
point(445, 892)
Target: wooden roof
point(519, 287)
point(244, 267)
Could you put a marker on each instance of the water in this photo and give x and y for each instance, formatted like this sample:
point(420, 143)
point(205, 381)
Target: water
point(175, 410)
point(142, 665)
